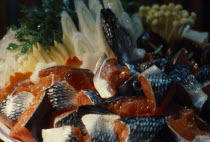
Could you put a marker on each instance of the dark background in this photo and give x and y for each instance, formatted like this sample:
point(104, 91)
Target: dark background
point(9, 11)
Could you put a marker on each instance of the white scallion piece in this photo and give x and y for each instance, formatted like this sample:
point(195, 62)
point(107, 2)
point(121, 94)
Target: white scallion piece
point(68, 28)
point(101, 41)
point(86, 21)
point(95, 7)
point(115, 6)
point(81, 45)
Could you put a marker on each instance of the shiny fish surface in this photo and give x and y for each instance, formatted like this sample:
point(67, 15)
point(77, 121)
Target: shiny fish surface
point(61, 95)
point(13, 106)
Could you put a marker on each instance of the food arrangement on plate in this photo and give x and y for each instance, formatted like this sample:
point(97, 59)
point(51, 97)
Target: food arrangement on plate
point(98, 73)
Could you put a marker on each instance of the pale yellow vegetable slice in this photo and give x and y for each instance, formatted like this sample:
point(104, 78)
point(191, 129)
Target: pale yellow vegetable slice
point(86, 21)
point(95, 7)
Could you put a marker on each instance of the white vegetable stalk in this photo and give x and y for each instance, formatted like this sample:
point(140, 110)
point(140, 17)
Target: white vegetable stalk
point(68, 28)
point(137, 25)
point(101, 41)
point(86, 22)
point(95, 7)
point(115, 6)
point(81, 45)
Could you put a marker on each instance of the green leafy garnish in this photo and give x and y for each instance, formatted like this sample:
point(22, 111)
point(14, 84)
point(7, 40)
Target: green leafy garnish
point(12, 46)
point(40, 24)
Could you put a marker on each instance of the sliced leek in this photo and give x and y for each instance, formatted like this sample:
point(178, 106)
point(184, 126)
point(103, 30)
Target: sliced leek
point(115, 6)
point(101, 41)
point(68, 26)
point(86, 21)
point(81, 45)
point(95, 7)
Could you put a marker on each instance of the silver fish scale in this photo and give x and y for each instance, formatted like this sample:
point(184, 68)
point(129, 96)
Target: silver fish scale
point(94, 97)
point(71, 138)
point(61, 95)
point(101, 136)
point(204, 75)
point(160, 85)
point(13, 106)
point(181, 74)
point(144, 128)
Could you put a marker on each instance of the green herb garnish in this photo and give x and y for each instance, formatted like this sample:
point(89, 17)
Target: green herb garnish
point(40, 24)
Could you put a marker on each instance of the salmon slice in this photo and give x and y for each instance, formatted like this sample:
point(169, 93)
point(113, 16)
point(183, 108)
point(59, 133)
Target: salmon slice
point(130, 106)
point(88, 97)
point(15, 79)
point(6, 121)
point(60, 71)
point(111, 77)
point(81, 79)
point(13, 106)
point(95, 123)
point(188, 126)
point(158, 87)
point(28, 128)
point(64, 96)
point(140, 128)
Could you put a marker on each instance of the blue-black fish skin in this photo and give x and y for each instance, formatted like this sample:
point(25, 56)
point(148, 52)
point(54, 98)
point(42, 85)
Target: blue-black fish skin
point(144, 128)
point(204, 75)
point(119, 40)
point(61, 95)
point(160, 84)
point(13, 106)
point(94, 97)
point(181, 73)
point(74, 118)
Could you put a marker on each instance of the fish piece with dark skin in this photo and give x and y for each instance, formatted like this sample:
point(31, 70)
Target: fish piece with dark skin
point(120, 41)
point(61, 95)
point(64, 96)
point(181, 74)
point(35, 118)
point(94, 121)
point(110, 75)
point(141, 129)
point(13, 106)
point(203, 76)
point(155, 83)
